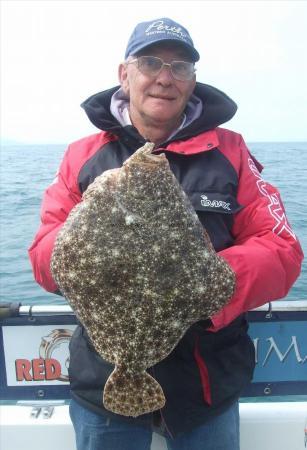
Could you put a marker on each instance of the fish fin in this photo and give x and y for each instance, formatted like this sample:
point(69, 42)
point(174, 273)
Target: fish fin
point(132, 394)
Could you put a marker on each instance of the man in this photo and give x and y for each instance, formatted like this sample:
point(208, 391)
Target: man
point(160, 101)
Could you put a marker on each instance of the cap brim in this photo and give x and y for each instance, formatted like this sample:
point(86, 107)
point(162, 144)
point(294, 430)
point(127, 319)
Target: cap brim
point(194, 53)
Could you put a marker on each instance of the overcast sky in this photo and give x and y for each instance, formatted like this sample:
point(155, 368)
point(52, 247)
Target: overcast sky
point(54, 54)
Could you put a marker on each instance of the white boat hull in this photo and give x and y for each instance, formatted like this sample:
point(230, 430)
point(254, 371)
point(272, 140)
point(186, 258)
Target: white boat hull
point(264, 426)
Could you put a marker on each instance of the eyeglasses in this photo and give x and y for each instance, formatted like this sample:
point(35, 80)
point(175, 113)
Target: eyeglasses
point(152, 66)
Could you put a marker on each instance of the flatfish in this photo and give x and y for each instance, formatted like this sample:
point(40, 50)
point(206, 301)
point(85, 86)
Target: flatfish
point(138, 269)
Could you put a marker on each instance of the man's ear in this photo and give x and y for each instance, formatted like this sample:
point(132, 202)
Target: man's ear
point(123, 77)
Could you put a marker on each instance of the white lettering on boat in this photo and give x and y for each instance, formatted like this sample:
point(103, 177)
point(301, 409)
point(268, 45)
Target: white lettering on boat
point(273, 347)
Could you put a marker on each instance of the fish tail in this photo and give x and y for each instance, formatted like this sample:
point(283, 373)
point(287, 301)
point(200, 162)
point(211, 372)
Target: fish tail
point(132, 394)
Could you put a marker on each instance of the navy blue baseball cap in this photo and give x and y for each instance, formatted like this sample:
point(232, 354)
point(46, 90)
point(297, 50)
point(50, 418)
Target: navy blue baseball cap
point(159, 30)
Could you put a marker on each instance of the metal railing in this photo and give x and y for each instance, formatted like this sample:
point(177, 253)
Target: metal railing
point(42, 310)
point(19, 310)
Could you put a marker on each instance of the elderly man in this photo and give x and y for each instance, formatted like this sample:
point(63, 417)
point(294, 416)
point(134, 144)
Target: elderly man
point(160, 101)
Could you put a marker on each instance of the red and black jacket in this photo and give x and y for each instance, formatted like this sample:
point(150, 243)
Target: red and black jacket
point(246, 222)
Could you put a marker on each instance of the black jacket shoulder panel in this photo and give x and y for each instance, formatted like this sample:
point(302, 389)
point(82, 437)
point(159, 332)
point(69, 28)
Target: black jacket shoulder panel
point(110, 156)
point(212, 196)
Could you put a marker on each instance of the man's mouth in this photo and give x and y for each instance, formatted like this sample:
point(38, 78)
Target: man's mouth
point(162, 97)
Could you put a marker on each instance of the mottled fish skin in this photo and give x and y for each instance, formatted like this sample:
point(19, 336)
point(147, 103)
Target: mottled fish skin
point(138, 269)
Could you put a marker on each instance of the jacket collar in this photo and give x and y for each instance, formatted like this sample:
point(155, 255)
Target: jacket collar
point(202, 142)
point(217, 108)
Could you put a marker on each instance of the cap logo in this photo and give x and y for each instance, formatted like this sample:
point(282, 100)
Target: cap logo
point(156, 31)
point(159, 27)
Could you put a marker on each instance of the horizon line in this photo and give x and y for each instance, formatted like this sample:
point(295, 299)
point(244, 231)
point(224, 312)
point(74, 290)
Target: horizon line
point(11, 142)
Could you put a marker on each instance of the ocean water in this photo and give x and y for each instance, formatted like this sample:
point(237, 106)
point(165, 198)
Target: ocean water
point(27, 170)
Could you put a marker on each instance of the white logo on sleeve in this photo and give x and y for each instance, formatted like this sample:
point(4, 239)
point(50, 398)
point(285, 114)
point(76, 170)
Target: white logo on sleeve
point(275, 208)
point(56, 179)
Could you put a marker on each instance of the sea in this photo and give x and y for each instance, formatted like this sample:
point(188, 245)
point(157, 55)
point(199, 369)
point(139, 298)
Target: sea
point(26, 171)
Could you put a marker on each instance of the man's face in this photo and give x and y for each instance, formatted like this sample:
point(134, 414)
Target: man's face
point(159, 100)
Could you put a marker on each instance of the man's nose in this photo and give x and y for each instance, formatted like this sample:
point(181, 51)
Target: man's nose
point(165, 76)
